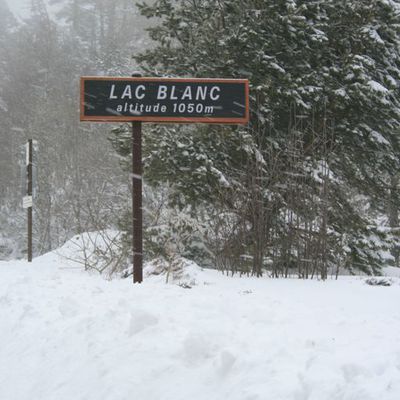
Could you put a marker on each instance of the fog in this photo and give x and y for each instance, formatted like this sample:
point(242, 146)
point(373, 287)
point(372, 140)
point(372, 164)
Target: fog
point(20, 8)
point(40, 65)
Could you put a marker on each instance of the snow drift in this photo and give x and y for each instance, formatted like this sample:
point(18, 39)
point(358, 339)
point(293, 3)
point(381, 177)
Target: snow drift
point(66, 334)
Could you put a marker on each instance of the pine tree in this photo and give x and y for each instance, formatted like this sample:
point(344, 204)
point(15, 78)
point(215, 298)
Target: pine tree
point(40, 88)
point(326, 63)
point(110, 31)
point(7, 23)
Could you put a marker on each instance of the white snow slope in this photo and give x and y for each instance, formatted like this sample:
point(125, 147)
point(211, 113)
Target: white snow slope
point(68, 335)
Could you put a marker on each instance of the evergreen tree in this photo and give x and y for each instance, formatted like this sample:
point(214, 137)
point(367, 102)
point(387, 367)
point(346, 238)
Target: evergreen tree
point(7, 24)
point(110, 31)
point(313, 66)
point(41, 88)
point(9, 216)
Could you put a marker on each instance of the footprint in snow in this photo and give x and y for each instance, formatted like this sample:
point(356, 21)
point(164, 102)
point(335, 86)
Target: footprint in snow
point(352, 371)
point(196, 349)
point(4, 301)
point(226, 362)
point(140, 320)
point(68, 308)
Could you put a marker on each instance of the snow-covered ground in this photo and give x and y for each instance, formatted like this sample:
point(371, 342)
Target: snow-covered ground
point(68, 335)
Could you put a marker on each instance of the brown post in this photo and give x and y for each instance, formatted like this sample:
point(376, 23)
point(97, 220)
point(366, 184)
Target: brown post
point(29, 193)
point(137, 240)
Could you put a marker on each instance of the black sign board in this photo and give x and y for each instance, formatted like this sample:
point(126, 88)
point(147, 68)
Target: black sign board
point(223, 101)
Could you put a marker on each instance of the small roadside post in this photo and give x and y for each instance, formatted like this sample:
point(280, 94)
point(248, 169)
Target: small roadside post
point(27, 200)
point(138, 99)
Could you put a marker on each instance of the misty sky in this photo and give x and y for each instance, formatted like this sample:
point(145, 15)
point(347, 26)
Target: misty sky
point(19, 7)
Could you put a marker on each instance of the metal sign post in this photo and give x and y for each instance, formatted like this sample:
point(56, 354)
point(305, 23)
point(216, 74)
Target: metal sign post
point(29, 195)
point(137, 99)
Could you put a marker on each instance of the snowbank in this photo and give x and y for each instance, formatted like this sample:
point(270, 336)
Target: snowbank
point(94, 251)
point(69, 335)
point(391, 271)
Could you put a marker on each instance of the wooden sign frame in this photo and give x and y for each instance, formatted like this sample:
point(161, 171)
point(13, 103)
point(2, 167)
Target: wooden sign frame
point(166, 119)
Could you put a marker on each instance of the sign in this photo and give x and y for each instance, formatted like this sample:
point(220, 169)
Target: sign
point(27, 202)
point(165, 100)
point(137, 99)
point(24, 166)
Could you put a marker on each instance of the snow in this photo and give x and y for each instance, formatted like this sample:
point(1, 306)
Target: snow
point(379, 138)
point(341, 92)
point(278, 67)
point(374, 35)
point(391, 272)
point(3, 105)
point(67, 334)
point(221, 177)
point(376, 86)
